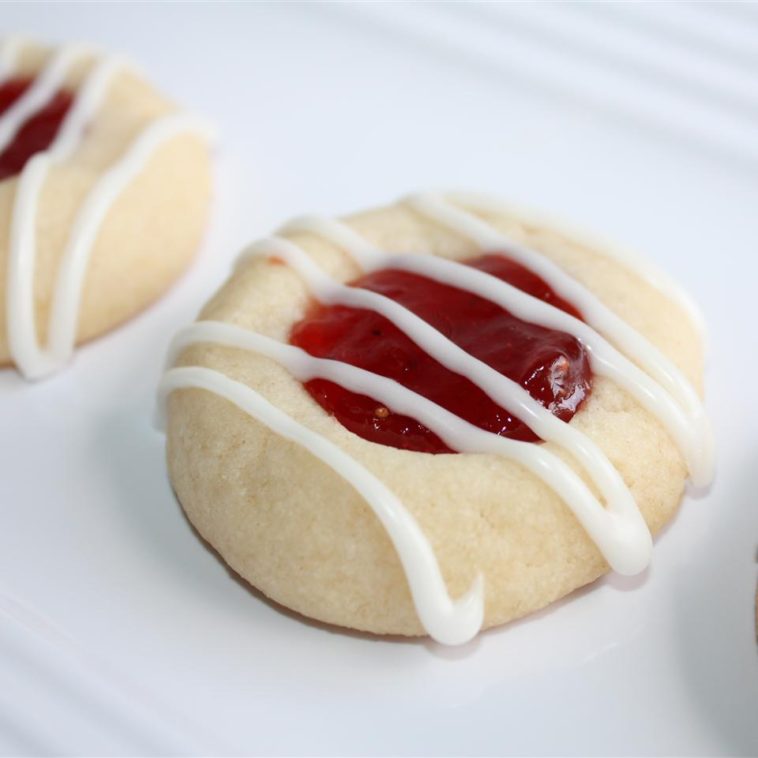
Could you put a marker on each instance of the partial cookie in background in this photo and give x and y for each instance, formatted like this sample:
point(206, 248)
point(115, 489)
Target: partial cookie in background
point(369, 536)
point(104, 198)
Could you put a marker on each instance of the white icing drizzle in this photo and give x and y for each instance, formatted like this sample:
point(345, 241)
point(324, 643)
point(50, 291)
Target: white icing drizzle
point(618, 529)
point(88, 100)
point(450, 622)
point(33, 360)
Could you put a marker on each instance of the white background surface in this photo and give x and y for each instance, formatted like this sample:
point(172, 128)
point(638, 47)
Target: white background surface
point(121, 633)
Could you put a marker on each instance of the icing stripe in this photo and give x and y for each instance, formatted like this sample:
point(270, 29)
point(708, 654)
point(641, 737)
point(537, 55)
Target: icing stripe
point(88, 100)
point(32, 360)
point(340, 235)
point(620, 534)
point(73, 267)
point(449, 621)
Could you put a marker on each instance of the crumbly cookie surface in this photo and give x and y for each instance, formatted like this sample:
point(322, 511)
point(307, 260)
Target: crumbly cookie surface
point(295, 530)
point(150, 233)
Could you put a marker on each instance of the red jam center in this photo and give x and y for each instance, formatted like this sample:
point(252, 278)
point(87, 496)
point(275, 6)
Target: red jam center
point(551, 365)
point(38, 131)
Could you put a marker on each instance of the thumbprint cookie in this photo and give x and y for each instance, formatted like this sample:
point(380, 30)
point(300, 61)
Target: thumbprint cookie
point(104, 196)
point(434, 417)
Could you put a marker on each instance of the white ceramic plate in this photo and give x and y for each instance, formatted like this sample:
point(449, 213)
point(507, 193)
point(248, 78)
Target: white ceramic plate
point(120, 632)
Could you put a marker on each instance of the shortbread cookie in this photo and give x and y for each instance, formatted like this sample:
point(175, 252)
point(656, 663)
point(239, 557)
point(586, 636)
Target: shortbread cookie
point(488, 416)
point(104, 197)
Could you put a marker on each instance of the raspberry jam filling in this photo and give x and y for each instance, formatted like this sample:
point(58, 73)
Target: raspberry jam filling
point(551, 365)
point(38, 131)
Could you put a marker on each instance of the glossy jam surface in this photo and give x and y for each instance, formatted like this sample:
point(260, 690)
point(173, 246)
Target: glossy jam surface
point(551, 365)
point(37, 132)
